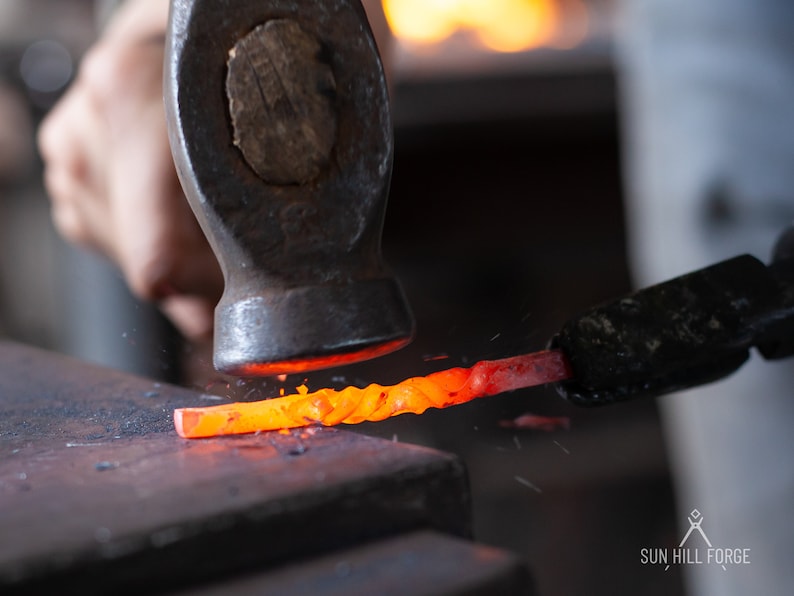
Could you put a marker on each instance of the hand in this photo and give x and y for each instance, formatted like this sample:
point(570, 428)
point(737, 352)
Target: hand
point(111, 178)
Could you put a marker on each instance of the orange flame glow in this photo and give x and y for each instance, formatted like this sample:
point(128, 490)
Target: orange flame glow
point(352, 405)
point(499, 25)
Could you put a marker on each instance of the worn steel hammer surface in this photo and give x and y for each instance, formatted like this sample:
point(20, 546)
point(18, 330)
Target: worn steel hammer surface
point(280, 127)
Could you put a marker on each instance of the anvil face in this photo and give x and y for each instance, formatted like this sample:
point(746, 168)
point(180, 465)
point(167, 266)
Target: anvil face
point(97, 491)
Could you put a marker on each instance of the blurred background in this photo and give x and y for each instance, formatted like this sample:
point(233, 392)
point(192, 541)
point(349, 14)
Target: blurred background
point(505, 219)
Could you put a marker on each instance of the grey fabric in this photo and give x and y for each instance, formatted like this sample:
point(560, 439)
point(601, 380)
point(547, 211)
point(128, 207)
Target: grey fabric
point(708, 90)
point(105, 10)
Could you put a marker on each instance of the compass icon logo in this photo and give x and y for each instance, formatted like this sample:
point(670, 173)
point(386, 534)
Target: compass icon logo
point(692, 554)
point(695, 520)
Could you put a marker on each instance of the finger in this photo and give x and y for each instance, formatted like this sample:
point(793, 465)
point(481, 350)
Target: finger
point(161, 247)
point(192, 316)
point(124, 80)
point(143, 213)
point(74, 189)
point(68, 217)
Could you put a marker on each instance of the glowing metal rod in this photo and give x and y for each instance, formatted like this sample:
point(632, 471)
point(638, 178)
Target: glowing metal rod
point(352, 405)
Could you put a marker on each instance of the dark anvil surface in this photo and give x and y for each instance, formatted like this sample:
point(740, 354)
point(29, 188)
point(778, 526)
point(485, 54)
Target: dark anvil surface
point(97, 491)
point(421, 563)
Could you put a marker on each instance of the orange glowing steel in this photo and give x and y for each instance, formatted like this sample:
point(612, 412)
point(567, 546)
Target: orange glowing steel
point(500, 25)
point(262, 369)
point(352, 405)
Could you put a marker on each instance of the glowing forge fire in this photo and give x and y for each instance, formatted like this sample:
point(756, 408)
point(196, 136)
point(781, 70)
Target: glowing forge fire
point(352, 405)
point(499, 25)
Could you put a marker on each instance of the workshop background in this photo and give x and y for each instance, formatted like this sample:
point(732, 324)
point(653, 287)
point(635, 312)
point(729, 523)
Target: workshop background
point(505, 219)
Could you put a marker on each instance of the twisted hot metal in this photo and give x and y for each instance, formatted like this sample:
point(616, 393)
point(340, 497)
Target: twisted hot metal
point(352, 405)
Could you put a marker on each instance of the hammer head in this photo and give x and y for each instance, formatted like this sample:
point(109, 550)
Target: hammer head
point(279, 123)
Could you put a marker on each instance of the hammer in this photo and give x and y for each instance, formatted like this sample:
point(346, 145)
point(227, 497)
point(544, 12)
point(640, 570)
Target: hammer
point(279, 123)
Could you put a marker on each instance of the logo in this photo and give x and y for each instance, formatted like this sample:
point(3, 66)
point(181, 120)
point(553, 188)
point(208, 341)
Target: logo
point(695, 549)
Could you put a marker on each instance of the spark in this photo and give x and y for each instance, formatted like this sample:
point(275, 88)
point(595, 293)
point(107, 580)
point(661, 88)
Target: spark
point(250, 393)
point(527, 483)
point(434, 357)
point(538, 422)
point(84, 444)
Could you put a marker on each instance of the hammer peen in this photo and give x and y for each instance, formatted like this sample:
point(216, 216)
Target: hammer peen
point(279, 123)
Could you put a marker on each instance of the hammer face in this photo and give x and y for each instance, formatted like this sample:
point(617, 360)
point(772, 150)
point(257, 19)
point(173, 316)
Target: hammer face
point(281, 132)
point(310, 327)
